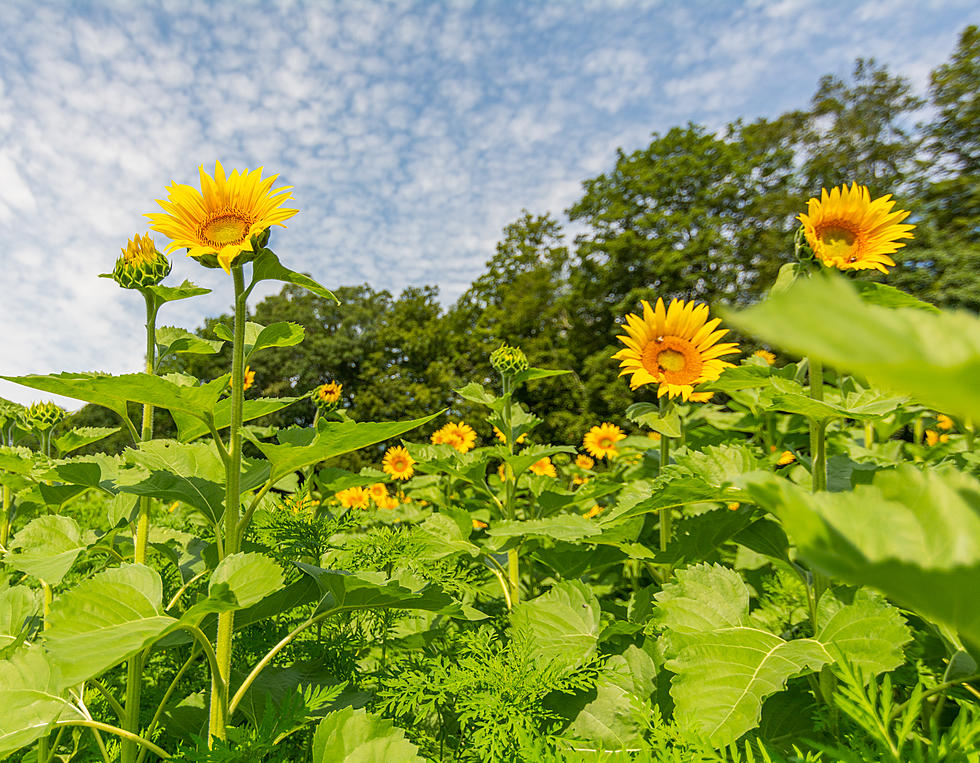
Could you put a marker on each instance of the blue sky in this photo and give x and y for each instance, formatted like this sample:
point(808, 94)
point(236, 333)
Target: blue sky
point(412, 132)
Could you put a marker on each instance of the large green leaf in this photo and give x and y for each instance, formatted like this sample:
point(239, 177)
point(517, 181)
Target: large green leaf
point(18, 605)
point(934, 357)
point(188, 472)
point(565, 527)
point(191, 427)
point(162, 294)
point(329, 440)
point(913, 535)
point(868, 631)
point(29, 696)
point(355, 736)
point(170, 339)
point(704, 598)
point(77, 438)
point(724, 676)
point(104, 620)
point(248, 577)
point(46, 548)
point(562, 624)
point(342, 592)
point(267, 267)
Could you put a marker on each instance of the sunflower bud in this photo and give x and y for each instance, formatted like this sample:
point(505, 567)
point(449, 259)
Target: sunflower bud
point(508, 360)
point(327, 396)
point(141, 265)
point(43, 416)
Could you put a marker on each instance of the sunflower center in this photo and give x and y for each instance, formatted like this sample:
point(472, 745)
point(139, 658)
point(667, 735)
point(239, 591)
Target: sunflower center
point(227, 227)
point(673, 360)
point(839, 242)
point(606, 442)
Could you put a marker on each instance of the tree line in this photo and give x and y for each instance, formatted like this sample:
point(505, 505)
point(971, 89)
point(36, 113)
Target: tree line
point(695, 214)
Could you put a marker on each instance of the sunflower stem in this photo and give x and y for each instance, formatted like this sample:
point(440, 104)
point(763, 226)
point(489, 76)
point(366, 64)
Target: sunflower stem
point(510, 491)
point(665, 516)
point(818, 432)
point(218, 716)
point(5, 519)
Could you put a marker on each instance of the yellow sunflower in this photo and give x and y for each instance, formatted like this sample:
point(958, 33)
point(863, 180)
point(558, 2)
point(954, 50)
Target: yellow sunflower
point(544, 467)
point(595, 511)
point(458, 434)
point(675, 348)
point(378, 492)
point(848, 231)
point(478, 525)
point(249, 379)
point(767, 356)
point(933, 437)
point(328, 393)
point(584, 462)
point(786, 457)
point(218, 223)
point(944, 422)
point(601, 440)
point(398, 463)
point(354, 498)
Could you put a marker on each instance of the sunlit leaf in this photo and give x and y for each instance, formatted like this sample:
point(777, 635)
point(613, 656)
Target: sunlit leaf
point(46, 548)
point(356, 736)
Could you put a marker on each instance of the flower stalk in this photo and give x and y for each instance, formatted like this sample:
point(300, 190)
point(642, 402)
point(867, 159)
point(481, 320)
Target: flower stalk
point(665, 515)
point(818, 429)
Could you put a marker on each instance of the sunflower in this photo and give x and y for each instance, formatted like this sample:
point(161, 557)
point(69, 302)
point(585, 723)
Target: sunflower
point(249, 379)
point(767, 356)
point(675, 348)
point(378, 492)
point(848, 231)
point(220, 222)
point(398, 463)
point(389, 502)
point(944, 422)
point(584, 462)
point(478, 525)
point(328, 393)
point(700, 397)
point(354, 498)
point(544, 467)
point(594, 511)
point(933, 437)
point(786, 457)
point(500, 436)
point(458, 434)
point(601, 440)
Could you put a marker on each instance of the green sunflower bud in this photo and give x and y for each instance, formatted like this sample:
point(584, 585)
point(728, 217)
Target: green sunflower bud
point(43, 416)
point(508, 360)
point(140, 266)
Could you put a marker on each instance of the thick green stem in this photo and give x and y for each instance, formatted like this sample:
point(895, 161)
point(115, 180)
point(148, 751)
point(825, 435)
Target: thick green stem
point(5, 519)
point(665, 515)
point(510, 492)
point(134, 670)
point(218, 716)
point(818, 441)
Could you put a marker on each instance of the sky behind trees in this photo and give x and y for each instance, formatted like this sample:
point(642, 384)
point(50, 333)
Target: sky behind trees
point(413, 133)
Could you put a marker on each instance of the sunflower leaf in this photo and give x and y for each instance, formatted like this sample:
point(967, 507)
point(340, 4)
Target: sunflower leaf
point(267, 267)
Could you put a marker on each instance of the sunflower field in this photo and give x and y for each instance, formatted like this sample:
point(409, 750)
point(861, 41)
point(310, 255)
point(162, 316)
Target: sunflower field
point(777, 560)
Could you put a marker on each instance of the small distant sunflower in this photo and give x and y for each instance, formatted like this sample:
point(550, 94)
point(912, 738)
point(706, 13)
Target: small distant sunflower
point(378, 492)
point(354, 498)
point(249, 379)
point(600, 441)
point(500, 436)
point(458, 434)
point(785, 458)
point(328, 393)
point(944, 422)
point(544, 468)
point(933, 437)
point(675, 348)
point(478, 525)
point(398, 463)
point(848, 231)
point(767, 356)
point(217, 224)
point(584, 462)
point(594, 511)
point(388, 502)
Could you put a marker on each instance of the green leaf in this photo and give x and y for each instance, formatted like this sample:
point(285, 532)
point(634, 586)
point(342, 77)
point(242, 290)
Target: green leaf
point(476, 393)
point(46, 548)
point(162, 294)
point(888, 296)
point(649, 416)
point(355, 736)
point(560, 625)
point(18, 605)
point(282, 334)
point(929, 558)
point(171, 339)
point(765, 537)
point(105, 620)
point(723, 677)
point(869, 632)
point(343, 592)
point(188, 472)
point(697, 536)
point(248, 577)
point(932, 356)
point(332, 439)
point(267, 267)
point(74, 439)
point(674, 494)
point(29, 689)
point(532, 374)
point(704, 598)
point(191, 427)
point(564, 527)
point(444, 536)
point(740, 377)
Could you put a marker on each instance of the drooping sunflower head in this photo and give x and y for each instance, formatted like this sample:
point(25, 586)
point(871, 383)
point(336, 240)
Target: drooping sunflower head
point(544, 467)
point(226, 219)
point(849, 231)
point(140, 265)
point(765, 355)
point(601, 440)
point(675, 348)
point(397, 463)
